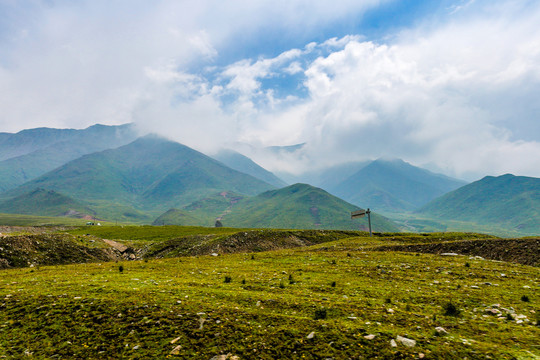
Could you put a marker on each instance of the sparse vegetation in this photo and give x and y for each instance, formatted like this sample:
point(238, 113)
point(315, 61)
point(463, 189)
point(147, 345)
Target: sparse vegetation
point(93, 311)
point(451, 310)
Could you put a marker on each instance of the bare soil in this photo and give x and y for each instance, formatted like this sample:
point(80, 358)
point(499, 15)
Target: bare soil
point(523, 251)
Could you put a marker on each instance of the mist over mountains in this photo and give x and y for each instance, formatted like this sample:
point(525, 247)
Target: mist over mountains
point(111, 173)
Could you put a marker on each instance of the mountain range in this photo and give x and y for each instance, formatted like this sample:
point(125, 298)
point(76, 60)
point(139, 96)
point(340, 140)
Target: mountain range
point(150, 174)
point(110, 173)
point(298, 206)
point(30, 153)
point(511, 202)
point(393, 186)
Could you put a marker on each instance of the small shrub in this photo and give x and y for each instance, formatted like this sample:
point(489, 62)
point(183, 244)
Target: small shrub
point(451, 310)
point(467, 264)
point(228, 279)
point(333, 262)
point(333, 284)
point(252, 257)
point(349, 255)
point(509, 317)
point(525, 298)
point(121, 269)
point(408, 307)
point(320, 314)
point(291, 279)
point(243, 281)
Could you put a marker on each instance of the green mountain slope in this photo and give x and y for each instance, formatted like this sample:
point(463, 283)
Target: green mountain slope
point(393, 186)
point(203, 212)
point(298, 206)
point(150, 174)
point(70, 145)
point(45, 203)
point(241, 163)
point(178, 217)
point(508, 201)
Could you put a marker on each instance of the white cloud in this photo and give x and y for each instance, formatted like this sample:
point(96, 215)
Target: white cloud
point(460, 92)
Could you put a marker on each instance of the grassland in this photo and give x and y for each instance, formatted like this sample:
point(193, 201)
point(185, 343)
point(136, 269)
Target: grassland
point(337, 299)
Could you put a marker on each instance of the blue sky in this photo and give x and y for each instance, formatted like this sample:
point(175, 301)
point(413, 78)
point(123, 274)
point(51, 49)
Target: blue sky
point(449, 85)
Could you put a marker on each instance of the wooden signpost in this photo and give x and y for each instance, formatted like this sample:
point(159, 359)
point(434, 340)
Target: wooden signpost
point(361, 213)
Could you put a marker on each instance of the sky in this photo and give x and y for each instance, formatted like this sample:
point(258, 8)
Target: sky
point(450, 85)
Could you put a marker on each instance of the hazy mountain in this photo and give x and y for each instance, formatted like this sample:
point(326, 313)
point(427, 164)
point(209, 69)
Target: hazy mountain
point(327, 178)
point(508, 201)
point(298, 206)
point(241, 163)
point(46, 203)
point(393, 186)
point(179, 217)
point(55, 149)
point(148, 174)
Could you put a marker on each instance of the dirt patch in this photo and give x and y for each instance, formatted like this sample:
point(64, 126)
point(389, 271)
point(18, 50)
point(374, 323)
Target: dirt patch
point(522, 251)
point(245, 241)
point(49, 249)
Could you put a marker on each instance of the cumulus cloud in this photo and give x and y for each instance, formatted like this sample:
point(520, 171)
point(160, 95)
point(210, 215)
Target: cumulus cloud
point(458, 92)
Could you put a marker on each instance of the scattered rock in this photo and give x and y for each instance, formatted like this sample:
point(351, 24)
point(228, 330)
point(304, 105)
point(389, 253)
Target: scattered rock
point(405, 341)
point(449, 254)
point(390, 311)
point(440, 330)
point(370, 337)
point(493, 311)
point(214, 254)
point(176, 350)
point(175, 340)
point(136, 347)
point(225, 357)
point(311, 335)
point(393, 343)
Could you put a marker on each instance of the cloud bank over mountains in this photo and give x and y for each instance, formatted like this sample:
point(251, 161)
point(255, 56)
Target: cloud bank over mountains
point(457, 91)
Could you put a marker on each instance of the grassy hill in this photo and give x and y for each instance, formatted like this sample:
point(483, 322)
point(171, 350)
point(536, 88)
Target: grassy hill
point(300, 206)
point(150, 174)
point(45, 203)
point(393, 186)
point(336, 299)
point(55, 151)
point(241, 163)
point(508, 201)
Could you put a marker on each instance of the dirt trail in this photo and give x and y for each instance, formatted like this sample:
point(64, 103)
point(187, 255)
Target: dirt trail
point(120, 247)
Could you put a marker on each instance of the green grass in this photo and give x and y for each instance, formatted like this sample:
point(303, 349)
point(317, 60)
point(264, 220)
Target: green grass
point(95, 311)
point(149, 232)
point(32, 220)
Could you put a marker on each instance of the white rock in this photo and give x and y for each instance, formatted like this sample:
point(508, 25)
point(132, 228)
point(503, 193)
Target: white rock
point(214, 254)
point(393, 343)
point(449, 254)
point(311, 335)
point(441, 330)
point(176, 350)
point(405, 341)
point(370, 337)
